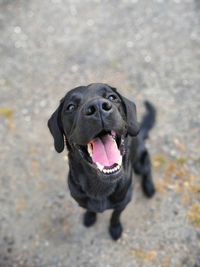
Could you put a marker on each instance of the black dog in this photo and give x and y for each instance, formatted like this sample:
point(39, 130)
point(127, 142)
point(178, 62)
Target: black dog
point(104, 143)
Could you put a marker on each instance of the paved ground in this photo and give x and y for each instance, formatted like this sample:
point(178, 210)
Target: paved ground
point(148, 49)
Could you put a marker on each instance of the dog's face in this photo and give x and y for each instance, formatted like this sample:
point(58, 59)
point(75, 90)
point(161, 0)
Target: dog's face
point(95, 120)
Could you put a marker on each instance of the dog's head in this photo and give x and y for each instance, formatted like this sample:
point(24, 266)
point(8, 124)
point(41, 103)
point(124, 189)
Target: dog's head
point(95, 120)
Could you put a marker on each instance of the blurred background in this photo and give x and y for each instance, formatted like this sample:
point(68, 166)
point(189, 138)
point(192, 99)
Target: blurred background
point(148, 49)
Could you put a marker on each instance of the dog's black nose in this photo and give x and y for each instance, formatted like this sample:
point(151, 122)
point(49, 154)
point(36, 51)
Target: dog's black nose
point(102, 105)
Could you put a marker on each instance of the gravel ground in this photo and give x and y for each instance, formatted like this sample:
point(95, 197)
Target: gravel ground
point(147, 49)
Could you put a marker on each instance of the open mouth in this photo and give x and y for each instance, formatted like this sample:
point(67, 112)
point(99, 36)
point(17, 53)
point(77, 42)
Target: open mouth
point(105, 152)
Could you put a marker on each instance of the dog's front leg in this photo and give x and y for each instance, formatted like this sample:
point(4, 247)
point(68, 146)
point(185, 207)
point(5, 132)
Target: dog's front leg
point(115, 227)
point(89, 218)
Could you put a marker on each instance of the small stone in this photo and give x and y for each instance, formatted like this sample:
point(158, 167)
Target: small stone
point(147, 58)
point(90, 22)
point(43, 103)
point(73, 10)
point(75, 68)
point(17, 29)
point(24, 111)
point(129, 44)
point(46, 243)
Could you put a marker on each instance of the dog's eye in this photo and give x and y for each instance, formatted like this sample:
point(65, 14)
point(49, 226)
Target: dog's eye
point(112, 97)
point(70, 107)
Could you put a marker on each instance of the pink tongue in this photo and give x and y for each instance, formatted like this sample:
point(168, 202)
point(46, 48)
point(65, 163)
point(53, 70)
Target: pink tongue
point(105, 150)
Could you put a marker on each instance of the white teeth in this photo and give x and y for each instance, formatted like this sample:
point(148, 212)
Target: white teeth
point(111, 170)
point(100, 167)
point(89, 148)
point(108, 171)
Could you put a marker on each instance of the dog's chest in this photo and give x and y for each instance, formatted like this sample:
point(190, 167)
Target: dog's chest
point(97, 189)
point(97, 196)
point(113, 201)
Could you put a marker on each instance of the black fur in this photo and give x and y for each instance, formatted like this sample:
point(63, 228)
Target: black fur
point(82, 114)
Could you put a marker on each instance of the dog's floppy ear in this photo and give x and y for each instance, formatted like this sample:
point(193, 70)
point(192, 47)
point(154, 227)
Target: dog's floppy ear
point(131, 115)
point(54, 124)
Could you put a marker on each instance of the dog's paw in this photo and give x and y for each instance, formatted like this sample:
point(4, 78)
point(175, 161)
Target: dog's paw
point(89, 218)
point(148, 188)
point(116, 231)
